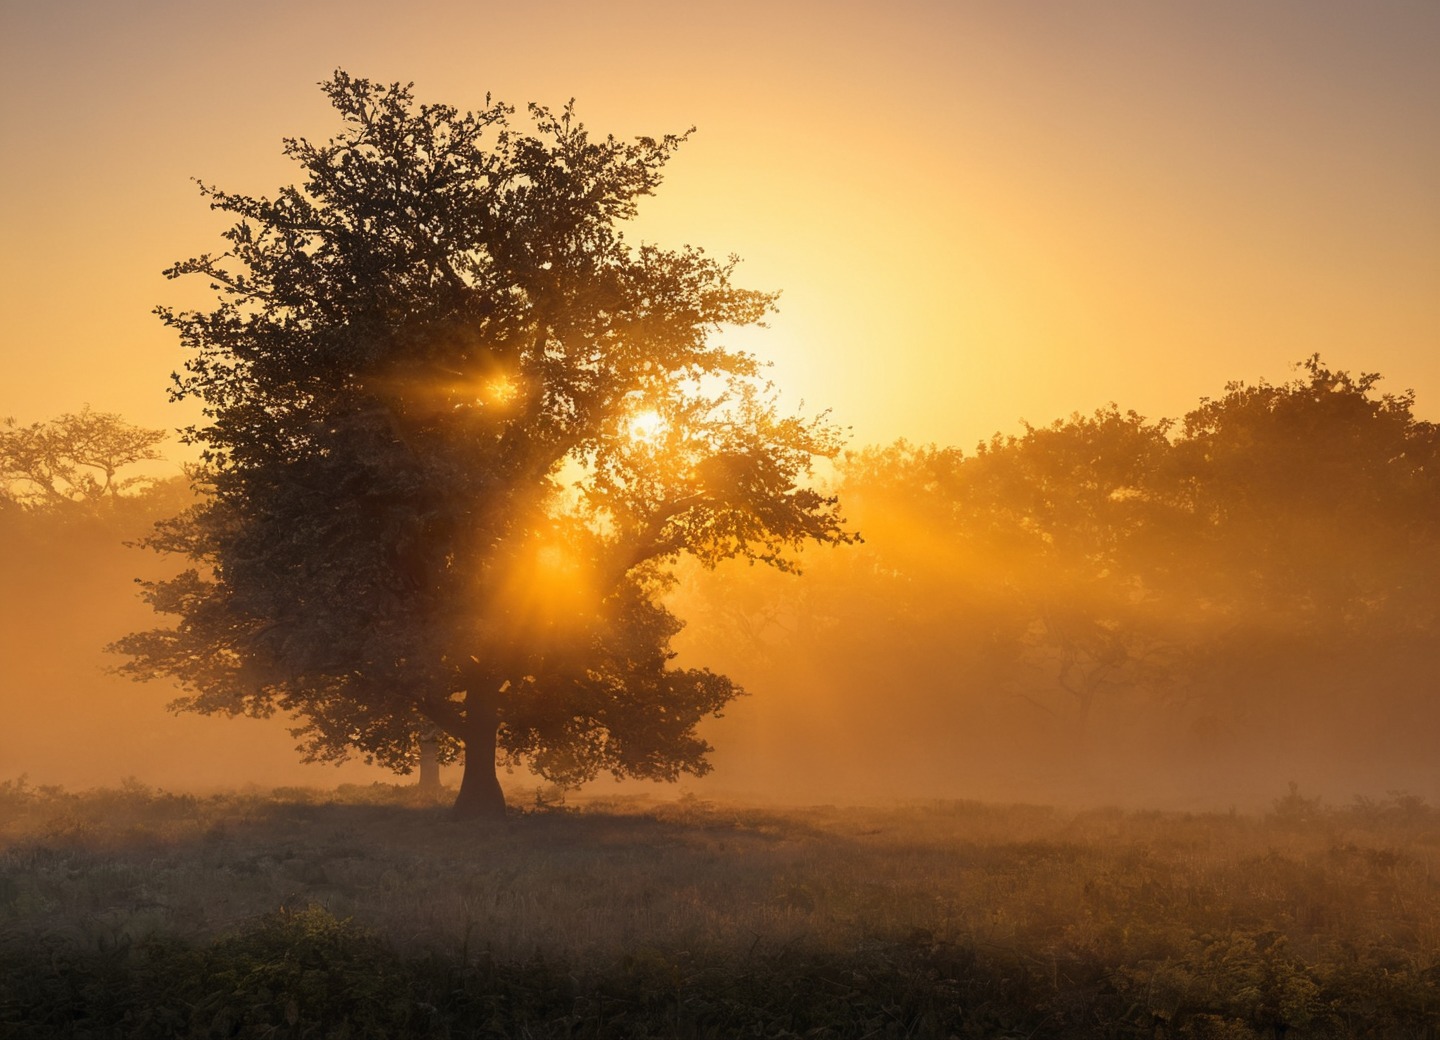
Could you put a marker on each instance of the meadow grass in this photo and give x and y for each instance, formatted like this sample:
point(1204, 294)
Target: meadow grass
point(367, 912)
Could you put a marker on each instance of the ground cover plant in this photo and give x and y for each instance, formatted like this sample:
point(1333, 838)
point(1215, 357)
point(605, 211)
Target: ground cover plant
point(132, 912)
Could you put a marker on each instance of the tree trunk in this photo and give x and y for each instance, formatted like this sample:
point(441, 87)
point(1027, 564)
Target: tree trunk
point(429, 765)
point(480, 796)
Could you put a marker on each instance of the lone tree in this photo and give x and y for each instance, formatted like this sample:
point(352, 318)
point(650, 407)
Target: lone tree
point(456, 433)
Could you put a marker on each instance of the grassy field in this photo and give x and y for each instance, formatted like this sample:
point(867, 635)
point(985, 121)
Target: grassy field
point(365, 913)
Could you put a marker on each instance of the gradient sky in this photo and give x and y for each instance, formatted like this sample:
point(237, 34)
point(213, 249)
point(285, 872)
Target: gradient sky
point(977, 212)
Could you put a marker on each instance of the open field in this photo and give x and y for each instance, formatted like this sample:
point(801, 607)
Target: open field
point(362, 912)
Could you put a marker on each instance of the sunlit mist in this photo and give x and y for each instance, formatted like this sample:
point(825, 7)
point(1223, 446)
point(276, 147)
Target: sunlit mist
point(499, 392)
point(549, 588)
point(647, 428)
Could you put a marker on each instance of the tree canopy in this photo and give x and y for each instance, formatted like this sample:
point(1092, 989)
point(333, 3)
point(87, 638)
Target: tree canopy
point(73, 459)
point(456, 432)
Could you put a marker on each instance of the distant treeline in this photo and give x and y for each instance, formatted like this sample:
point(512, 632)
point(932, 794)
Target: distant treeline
point(1251, 592)
point(1256, 586)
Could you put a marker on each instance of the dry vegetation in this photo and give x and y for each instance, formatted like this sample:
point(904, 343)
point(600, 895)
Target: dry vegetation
point(132, 912)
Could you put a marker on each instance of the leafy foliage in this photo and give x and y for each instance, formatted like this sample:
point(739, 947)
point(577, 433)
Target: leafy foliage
point(428, 503)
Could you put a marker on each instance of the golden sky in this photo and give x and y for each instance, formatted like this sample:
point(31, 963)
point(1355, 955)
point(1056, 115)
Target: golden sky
point(977, 211)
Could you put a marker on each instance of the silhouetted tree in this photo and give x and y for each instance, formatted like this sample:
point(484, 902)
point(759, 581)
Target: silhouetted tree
point(1318, 496)
point(1314, 555)
point(457, 431)
point(73, 459)
point(1070, 508)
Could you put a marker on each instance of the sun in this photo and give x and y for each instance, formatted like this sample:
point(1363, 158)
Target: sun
point(647, 427)
point(499, 391)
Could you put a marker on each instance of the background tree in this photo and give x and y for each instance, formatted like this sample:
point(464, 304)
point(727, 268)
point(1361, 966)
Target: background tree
point(73, 493)
point(1313, 556)
point(457, 432)
point(1071, 510)
point(1322, 492)
point(73, 459)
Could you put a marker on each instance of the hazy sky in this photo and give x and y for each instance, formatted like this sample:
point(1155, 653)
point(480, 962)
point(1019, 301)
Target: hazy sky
point(976, 211)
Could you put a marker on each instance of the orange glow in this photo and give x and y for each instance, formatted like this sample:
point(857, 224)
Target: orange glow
point(1054, 207)
point(648, 428)
point(499, 391)
point(547, 588)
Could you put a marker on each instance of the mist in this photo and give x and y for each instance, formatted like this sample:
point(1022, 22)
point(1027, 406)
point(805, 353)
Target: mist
point(70, 580)
point(1106, 611)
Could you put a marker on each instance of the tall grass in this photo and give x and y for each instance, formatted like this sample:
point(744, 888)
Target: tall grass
point(301, 913)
